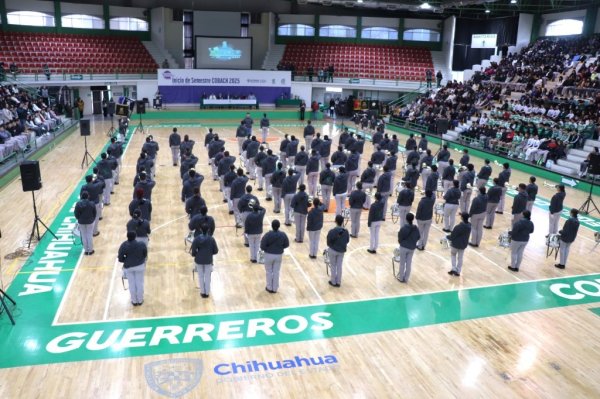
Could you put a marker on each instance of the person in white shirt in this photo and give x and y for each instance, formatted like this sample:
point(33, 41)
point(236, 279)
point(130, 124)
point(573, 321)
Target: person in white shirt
point(532, 146)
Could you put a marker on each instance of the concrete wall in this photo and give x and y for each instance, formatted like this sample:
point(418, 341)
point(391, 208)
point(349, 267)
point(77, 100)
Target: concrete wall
point(524, 31)
point(166, 33)
point(597, 27)
point(549, 18)
point(147, 89)
point(260, 40)
point(448, 41)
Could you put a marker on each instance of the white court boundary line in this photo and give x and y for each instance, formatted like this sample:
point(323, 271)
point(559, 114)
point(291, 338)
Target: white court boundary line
point(67, 290)
point(110, 290)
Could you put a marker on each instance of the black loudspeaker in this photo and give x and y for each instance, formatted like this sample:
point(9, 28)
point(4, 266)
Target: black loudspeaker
point(84, 127)
point(140, 107)
point(594, 166)
point(441, 126)
point(30, 175)
point(122, 110)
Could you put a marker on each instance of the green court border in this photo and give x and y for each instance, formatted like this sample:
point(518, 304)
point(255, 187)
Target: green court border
point(27, 343)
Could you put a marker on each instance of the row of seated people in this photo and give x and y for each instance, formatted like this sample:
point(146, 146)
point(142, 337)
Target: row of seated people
point(22, 119)
point(532, 128)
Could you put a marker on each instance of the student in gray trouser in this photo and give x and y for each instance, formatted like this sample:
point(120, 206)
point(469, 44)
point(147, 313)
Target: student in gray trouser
point(85, 213)
point(273, 243)
point(484, 174)
point(503, 179)
point(241, 134)
point(448, 174)
point(288, 190)
point(204, 247)
point(253, 228)
point(405, 199)
point(282, 150)
point(299, 204)
point(116, 150)
point(133, 255)
point(374, 222)
point(567, 236)
point(424, 217)
point(300, 162)
point(258, 161)
point(264, 127)
point(224, 166)
point(408, 235)
point(459, 239)
point(174, 143)
point(309, 133)
point(312, 173)
point(140, 226)
point(519, 203)
point(352, 169)
point(519, 237)
point(337, 243)
point(314, 224)
point(431, 183)
point(466, 188)
point(442, 159)
point(145, 184)
point(326, 179)
point(245, 205)
point(532, 190)
point(105, 171)
point(556, 207)
point(384, 187)
point(452, 196)
point(356, 201)
point(477, 214)
point(276, 186)
point(340, 185)
point(291, 150)
point(324, 151)
point(367, 179)
point(238, 187)
point(228, 179)
point(493, 194)
point(94, 190)
point(268, 166)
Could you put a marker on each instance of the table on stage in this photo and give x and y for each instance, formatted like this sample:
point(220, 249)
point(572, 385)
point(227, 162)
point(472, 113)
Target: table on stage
point(227, 103)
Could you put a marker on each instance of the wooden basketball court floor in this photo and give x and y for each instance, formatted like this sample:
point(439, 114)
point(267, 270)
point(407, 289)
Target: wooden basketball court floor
point(489, 333)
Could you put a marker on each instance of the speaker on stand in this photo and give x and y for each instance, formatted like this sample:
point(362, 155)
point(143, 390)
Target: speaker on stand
point(31, 179)
point(140, 108)
point(84, 128)
point(593, 169)
point(111, 112)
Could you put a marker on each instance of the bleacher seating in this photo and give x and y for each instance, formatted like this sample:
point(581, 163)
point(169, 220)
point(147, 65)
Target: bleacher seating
point(361, 61)
point(70, 53)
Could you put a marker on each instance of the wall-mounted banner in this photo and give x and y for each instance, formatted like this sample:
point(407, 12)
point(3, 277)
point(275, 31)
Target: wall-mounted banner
point(189, 85)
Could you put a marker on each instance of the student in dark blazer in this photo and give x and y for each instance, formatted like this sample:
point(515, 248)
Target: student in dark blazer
point(337, 243)
point(567, 236)
point(519, 238)
point(253, 229)
point(477, 215)
point(376, 218)
point(356, 201)
point(519, 203)
point(314, 224)
point(204, 247)
point(300, 206)
point(273, 243)
point(133, 255)
point(340, 185)
point(459, 239)
point(408, 236)
point(494, 194)
point(424, 217)
point(532, 191)
point(85, 213)
point(556, 207)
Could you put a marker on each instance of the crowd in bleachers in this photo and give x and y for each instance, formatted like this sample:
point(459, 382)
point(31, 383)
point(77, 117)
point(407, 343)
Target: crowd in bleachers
point(23, 117)
point(539, 123)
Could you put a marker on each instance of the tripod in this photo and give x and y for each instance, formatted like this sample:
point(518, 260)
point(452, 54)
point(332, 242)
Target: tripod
point(35, 230)
point(112, 129)
point(3, 296)
point(87, 157)
point(589, 205)
point(140, 126)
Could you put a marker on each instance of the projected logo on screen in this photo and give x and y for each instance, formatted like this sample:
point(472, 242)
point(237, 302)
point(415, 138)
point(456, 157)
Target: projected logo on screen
point(224, 52)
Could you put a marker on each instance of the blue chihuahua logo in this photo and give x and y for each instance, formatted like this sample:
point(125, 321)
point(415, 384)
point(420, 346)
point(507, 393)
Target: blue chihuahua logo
point(224, 52)
point(173, 378)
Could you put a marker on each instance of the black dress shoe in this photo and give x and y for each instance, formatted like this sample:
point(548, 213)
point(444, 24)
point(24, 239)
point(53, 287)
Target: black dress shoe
point(260, 189)
point(269, 199)
point(246, 245)
point(559, 266)
point(499, 213)
point(91, 252)
point(276, 211)
point(224, 201)
point(451, 272)
point(288, 224)
point(268, 290)
point(100, 218)
point(353, 236)
point(421, 248)
point(140, 303)
point(513, 269)
point(473, 245)
point(96, 234)
point(371, 251)
point(446, 231)
point(253, 260)
point(174, 164)
point(487, 227)
point(331, 284)
point(134, 304)
point(117, 183)
point(312, 257)
point(112, 192)
point(338, 285)
point(231, 212)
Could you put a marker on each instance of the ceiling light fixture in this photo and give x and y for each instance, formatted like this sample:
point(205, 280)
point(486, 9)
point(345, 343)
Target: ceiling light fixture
point(487, 11)
point(425, 6)
point(360, 1)
point(513, 1)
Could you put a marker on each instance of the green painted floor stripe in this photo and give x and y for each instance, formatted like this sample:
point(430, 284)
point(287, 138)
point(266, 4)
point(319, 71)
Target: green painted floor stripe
point(41, 288)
